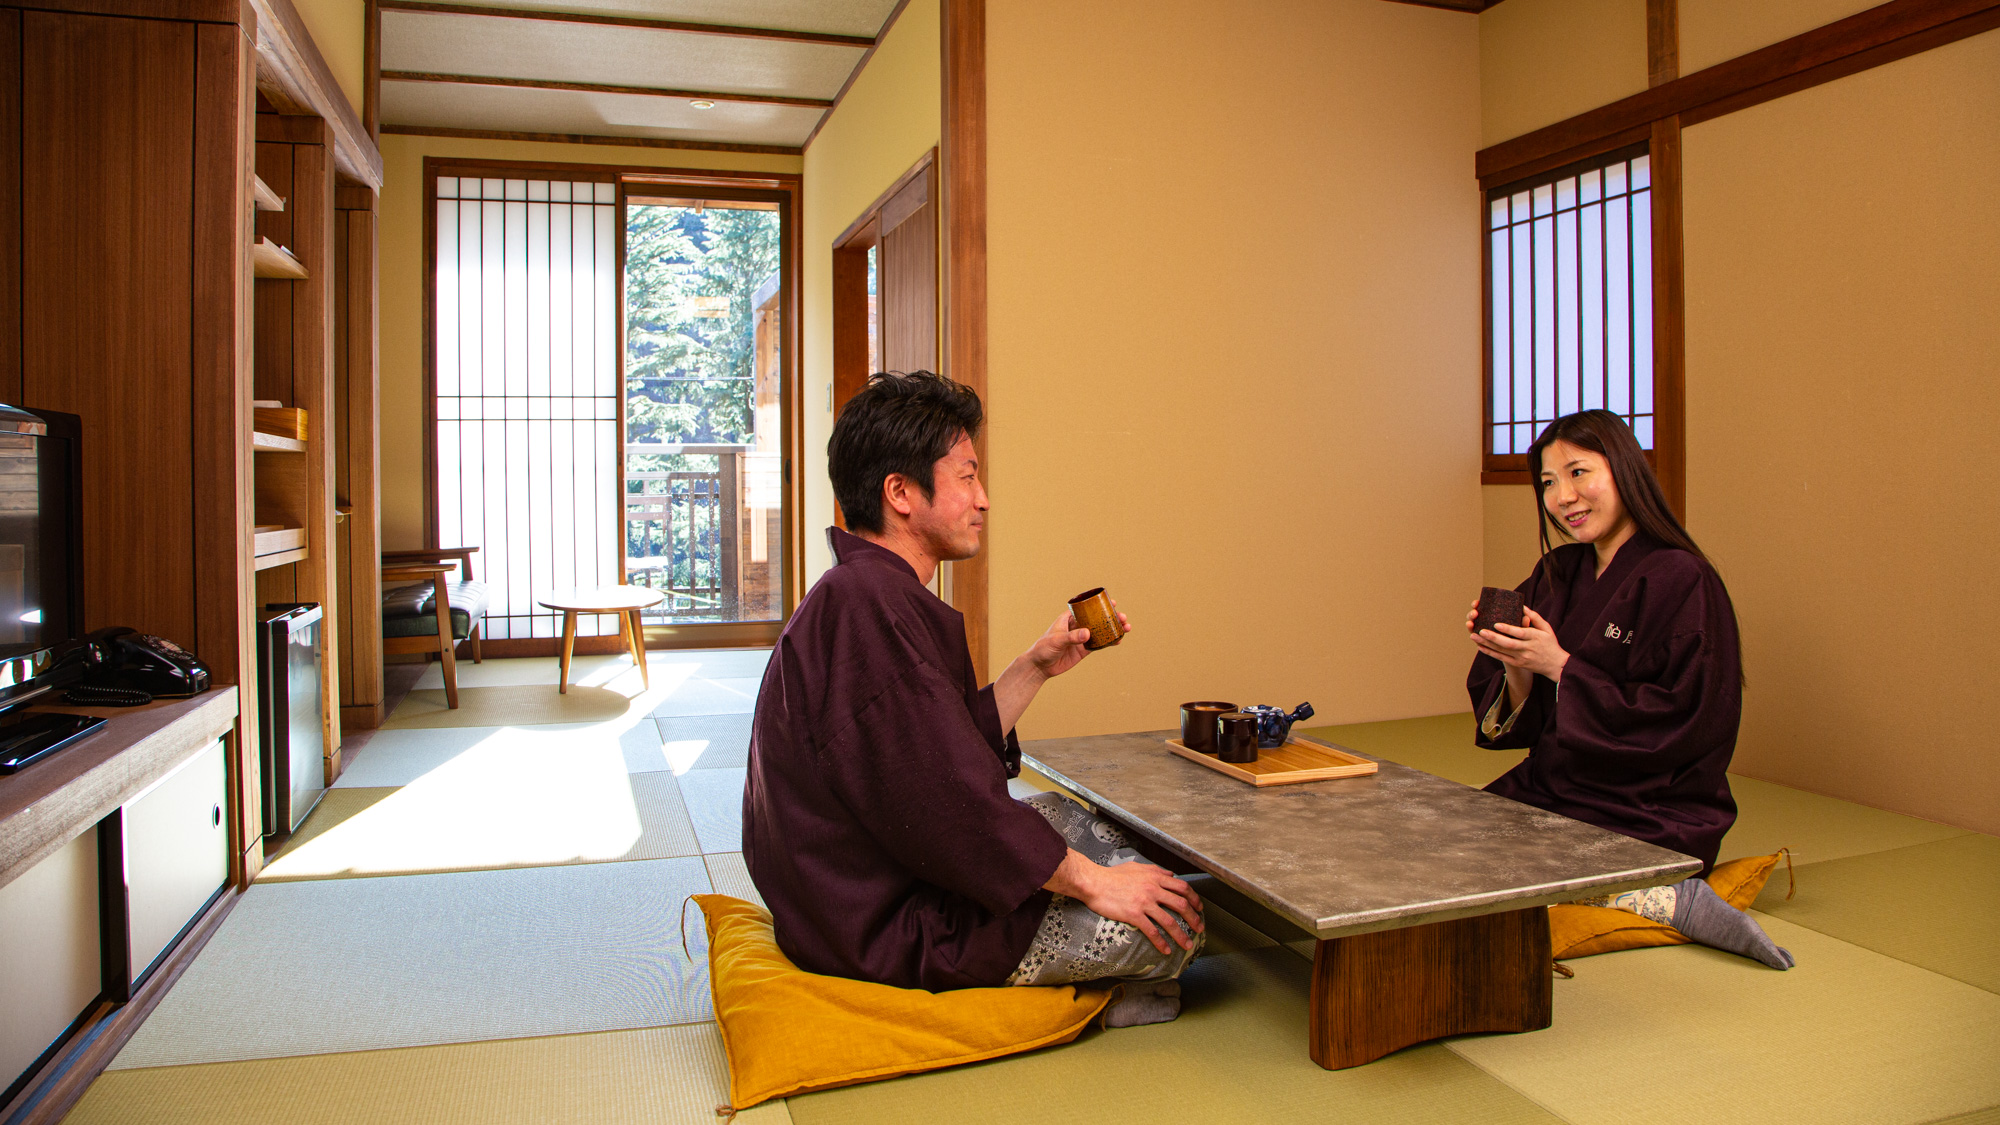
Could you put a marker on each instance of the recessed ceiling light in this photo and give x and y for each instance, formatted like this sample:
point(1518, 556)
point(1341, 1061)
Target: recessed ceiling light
point(702, 103)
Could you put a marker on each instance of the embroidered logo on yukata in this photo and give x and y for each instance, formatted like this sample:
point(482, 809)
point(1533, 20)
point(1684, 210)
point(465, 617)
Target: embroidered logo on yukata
point(1612, 631)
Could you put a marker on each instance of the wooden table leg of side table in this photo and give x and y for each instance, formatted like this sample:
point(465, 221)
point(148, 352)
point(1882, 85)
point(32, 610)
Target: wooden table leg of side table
point(636, 638)
point(1377, 993)
point(569, 646)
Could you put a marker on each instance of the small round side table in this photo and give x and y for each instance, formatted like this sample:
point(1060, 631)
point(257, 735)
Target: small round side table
point(625, 601)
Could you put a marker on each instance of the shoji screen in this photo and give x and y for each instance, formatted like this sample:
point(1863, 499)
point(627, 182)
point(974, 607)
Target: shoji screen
point(527, 386)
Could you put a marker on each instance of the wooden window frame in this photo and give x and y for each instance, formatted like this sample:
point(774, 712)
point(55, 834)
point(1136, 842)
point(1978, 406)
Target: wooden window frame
point(1669, 399)
point(781, 188)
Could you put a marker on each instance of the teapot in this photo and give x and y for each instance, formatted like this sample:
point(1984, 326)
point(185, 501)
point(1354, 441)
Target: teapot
point(1274, 725)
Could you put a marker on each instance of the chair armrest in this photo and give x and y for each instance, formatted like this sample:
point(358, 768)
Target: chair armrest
point(463, 556)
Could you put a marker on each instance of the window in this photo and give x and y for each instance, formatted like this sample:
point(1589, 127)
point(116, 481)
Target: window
point(1570, 302)
point(526, 375)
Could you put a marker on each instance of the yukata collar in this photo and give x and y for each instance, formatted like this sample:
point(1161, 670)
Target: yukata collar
point(850, 548)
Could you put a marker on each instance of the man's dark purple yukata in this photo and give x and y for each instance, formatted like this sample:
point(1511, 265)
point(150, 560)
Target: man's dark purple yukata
point(1639, 738)
point(876, 819)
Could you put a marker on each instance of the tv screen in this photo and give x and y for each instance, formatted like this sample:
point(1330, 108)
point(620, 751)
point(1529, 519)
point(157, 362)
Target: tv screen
point(38, 531)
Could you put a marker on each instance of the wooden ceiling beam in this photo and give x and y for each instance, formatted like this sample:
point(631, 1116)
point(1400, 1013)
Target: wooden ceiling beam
point(822, 38)
point(600, 88)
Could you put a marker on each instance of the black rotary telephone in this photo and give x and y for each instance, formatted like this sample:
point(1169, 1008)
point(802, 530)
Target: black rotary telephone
point(124, 668)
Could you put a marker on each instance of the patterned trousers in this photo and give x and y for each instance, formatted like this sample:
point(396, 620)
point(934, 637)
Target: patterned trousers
point(1074, 942)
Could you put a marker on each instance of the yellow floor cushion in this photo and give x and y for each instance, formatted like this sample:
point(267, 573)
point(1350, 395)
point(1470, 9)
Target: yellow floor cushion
point(1580, 931)
point(787, 1031)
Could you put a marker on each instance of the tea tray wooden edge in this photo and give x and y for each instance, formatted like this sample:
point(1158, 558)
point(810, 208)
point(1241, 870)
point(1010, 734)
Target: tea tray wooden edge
point(1294, 762)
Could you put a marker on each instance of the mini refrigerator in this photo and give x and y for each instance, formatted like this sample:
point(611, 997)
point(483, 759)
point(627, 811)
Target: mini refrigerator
point(289, 720)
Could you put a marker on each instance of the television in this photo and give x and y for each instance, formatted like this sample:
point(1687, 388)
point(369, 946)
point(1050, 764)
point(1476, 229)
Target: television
point(41, 575)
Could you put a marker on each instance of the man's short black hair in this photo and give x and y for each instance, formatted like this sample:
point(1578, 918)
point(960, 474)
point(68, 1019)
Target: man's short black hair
point(897, 424)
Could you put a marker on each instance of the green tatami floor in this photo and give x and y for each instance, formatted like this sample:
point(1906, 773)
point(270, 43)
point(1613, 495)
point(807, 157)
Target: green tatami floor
point(476, 927)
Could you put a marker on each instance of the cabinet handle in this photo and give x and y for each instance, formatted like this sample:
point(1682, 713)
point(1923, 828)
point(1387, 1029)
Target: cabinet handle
point(217, 816)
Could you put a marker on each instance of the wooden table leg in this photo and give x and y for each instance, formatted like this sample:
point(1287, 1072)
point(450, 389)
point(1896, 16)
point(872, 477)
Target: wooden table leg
point(569, 646)
point(636, 638)
point(1377, 993)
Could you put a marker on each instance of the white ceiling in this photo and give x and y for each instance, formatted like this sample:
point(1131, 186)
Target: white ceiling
point(691, 62)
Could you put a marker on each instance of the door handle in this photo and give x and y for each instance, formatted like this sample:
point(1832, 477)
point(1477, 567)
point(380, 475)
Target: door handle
point(216, 817)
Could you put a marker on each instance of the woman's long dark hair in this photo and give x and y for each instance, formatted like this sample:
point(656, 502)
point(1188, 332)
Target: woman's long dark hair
point(1607, 435)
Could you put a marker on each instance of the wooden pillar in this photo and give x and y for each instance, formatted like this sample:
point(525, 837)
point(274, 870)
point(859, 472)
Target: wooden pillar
point(963, 153)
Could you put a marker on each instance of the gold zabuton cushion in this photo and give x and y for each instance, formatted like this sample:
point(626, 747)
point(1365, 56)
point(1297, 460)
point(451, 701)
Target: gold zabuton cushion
point(1580, 931)
point(787, 1031)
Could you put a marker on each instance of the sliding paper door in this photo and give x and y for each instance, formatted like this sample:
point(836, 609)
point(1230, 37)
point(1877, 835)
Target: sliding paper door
point(526, 339)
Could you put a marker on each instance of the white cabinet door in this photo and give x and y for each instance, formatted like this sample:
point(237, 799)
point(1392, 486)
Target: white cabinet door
point(176, 853)
point(51, 970)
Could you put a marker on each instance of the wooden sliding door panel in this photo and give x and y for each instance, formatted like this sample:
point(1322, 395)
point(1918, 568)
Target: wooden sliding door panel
point(107, 201)
point(357, 470)
point(908, 278)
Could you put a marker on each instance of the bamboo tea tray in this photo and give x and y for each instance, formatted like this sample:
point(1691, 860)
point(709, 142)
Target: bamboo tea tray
point(1290, 764)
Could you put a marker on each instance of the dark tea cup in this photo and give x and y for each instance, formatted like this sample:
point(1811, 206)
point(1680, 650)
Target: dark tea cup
point(1198, 724)
point(1236, 737)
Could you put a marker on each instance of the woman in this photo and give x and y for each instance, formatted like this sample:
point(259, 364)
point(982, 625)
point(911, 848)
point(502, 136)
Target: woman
point(1624, 682)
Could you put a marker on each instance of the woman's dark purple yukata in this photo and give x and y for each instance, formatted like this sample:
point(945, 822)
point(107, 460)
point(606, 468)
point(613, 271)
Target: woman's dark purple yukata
point(1639, 736)
point(876, 819)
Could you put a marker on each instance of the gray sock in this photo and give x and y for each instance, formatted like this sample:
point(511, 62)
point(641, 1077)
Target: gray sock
point(1142, 1002)
point(1701, 914)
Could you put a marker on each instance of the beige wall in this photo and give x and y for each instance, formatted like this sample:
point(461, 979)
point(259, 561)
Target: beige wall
point(1541, 61)
point(1234, 326)
point(402, 289)
point(1512, 544)
point(1714, 31)
point(1842, 344)
point(885, 124)
point(339, 30)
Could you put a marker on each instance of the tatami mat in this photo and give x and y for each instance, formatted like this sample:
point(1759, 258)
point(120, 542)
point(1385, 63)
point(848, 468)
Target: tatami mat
point(1236, 1056)
point(1936, 905)
point(1771, 816)
point(715, 803)
point(705, 741)
point(361, 964)
point(399, 757)
point(726, 871)
point(710, 697)
point(519, 706)
point(522, 671)
point(1692, 1034)
point(658, 1076)
point(485, 819)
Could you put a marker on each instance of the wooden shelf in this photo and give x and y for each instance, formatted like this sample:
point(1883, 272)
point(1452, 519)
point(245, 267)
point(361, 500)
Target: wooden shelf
point(282, 558)
point(267, 200)
point(274, 261)
point(262, 442)
point(280, 540)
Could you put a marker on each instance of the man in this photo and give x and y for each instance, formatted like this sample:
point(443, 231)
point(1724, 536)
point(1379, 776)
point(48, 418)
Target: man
point(876, 819)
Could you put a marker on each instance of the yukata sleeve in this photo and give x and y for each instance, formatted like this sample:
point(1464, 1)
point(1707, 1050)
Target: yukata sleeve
point(915, 766)
point(1486, 683)
point(1661, 721)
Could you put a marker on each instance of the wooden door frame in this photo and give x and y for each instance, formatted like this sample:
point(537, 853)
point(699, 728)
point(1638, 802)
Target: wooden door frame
point(782, 188)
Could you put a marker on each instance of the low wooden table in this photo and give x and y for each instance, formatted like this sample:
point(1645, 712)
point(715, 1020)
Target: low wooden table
point(625, 601)
point(1425, 895)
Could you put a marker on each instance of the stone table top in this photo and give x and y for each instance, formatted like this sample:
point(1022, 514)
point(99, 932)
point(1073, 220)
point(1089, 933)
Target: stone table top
point(1353, 855)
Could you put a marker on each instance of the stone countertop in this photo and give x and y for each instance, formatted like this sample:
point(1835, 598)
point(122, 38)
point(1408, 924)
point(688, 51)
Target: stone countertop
point(1354, 855)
